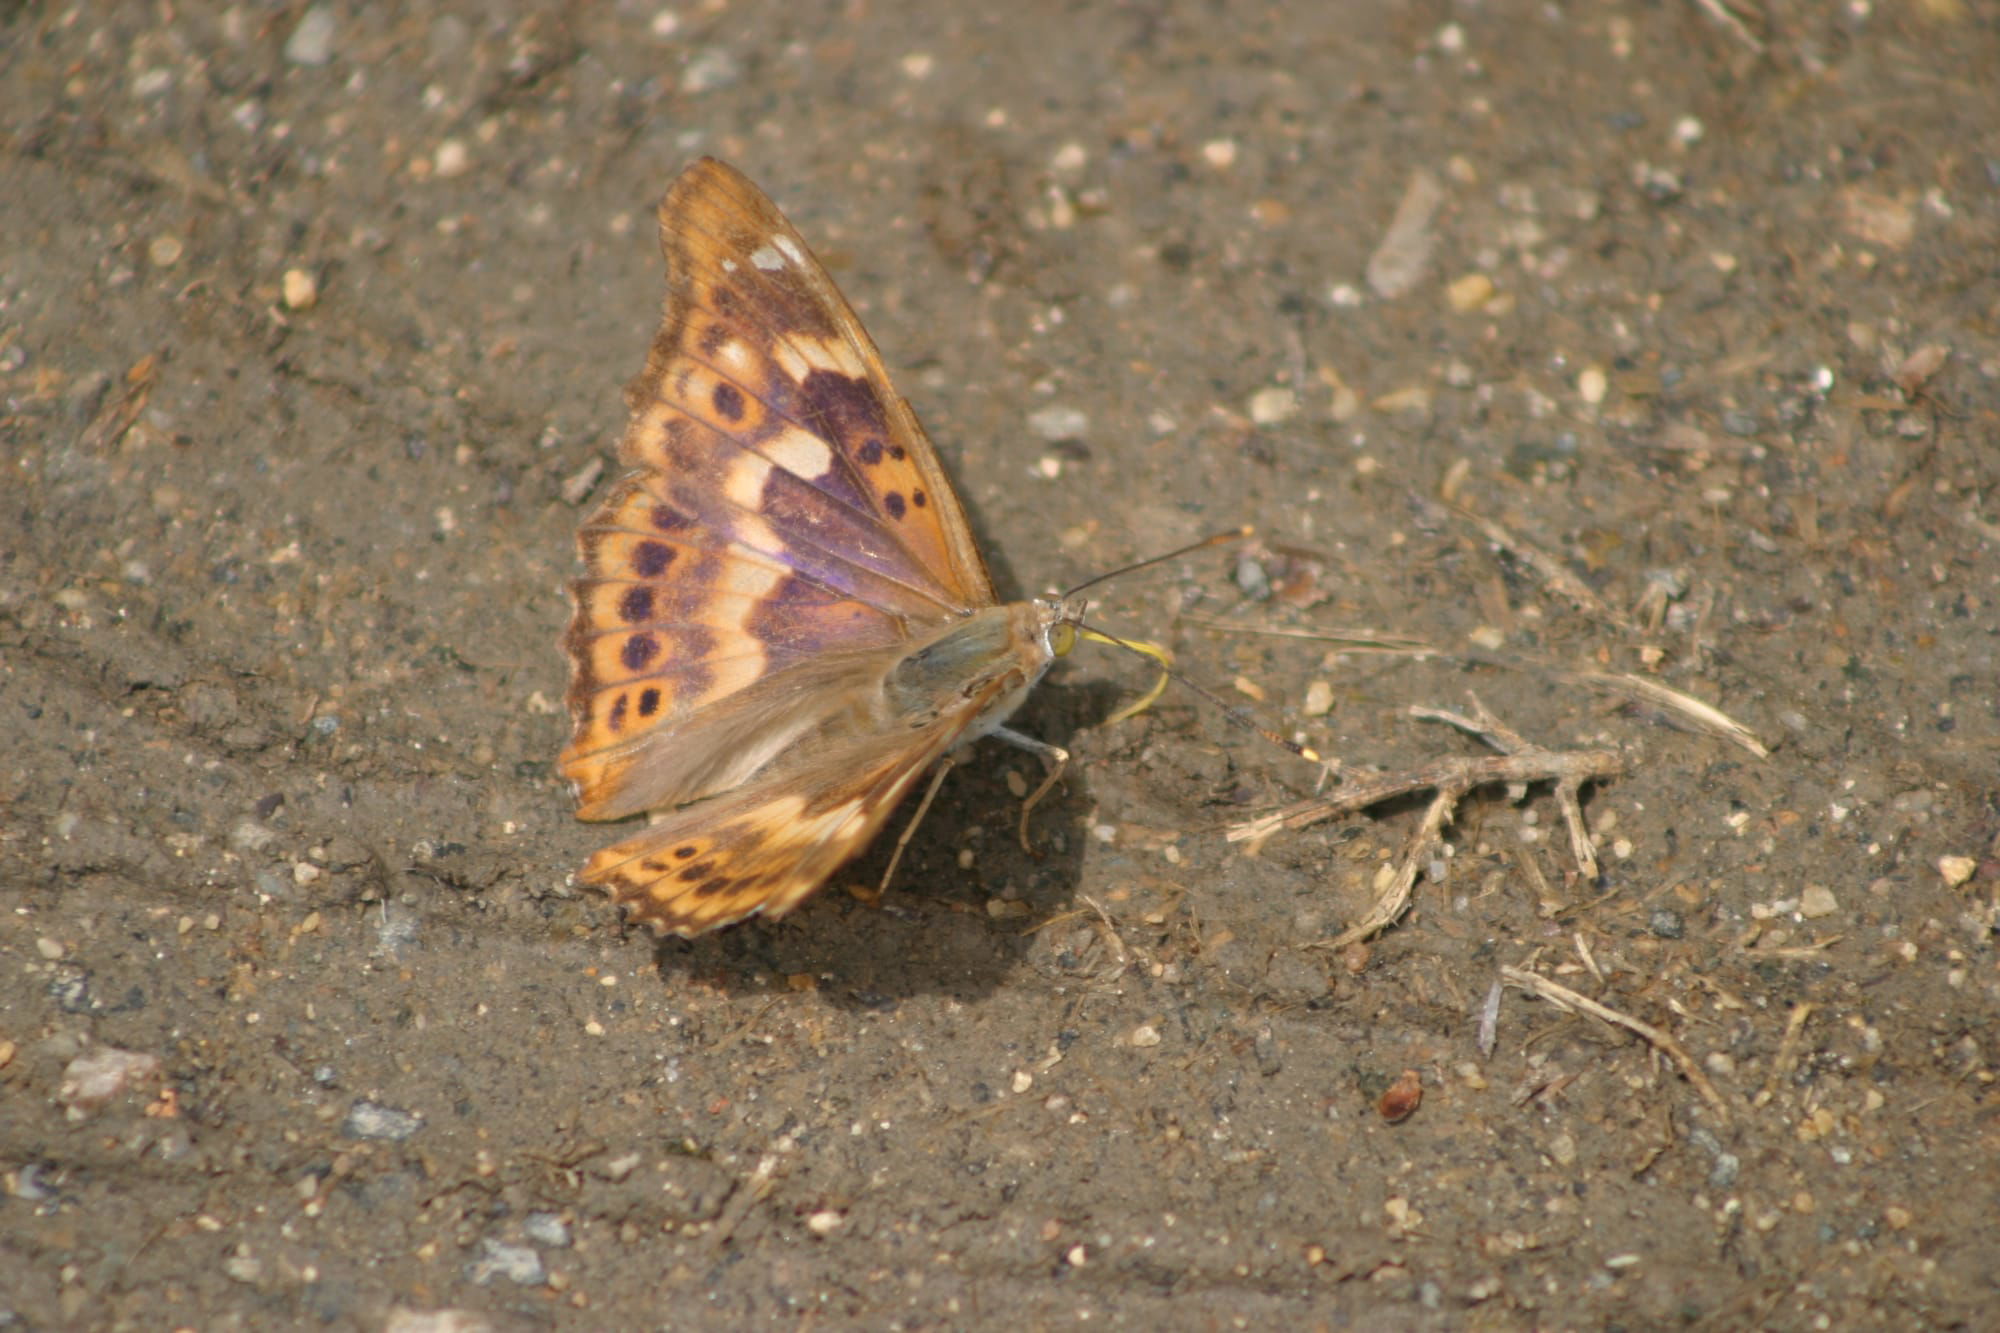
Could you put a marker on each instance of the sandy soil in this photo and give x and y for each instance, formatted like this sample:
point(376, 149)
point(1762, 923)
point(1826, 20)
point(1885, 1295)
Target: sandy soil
point(313, 322)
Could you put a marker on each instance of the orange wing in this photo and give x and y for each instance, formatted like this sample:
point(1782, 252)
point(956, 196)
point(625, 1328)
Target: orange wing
point(763, 848)
point(784, 500)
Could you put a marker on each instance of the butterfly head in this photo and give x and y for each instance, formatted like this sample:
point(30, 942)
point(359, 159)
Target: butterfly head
point(1059, 623)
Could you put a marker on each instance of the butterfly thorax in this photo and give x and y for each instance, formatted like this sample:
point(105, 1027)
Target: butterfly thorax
point(980, 668)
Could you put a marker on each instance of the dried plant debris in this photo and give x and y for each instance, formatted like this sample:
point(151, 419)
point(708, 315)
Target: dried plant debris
point(1576, 1001)
point(1519, 763)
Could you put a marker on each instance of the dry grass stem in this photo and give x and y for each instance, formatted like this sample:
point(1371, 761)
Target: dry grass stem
point(1788, 1053)
point(1707, 717)
point(1553, 573)
point(1520, 763)
point(1565, 998)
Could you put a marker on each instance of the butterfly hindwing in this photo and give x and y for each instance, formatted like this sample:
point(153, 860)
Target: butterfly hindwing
point(761, 848)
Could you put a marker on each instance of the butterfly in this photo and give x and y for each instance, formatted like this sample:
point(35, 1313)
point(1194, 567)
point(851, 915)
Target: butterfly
point(784, 620)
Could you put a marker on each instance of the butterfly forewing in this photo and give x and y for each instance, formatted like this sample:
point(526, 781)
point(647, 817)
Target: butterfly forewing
point(759, 318)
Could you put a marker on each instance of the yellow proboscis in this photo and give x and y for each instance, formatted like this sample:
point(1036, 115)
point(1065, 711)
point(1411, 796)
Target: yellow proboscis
point(1145, 649)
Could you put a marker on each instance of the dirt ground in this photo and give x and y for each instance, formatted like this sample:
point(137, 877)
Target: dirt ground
point(1651, 340)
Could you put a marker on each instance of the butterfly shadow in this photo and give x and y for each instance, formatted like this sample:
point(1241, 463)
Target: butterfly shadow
point(961, 915)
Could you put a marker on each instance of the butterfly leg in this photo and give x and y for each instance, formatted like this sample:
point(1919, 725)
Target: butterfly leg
point(1054, 756)
point(944, 766)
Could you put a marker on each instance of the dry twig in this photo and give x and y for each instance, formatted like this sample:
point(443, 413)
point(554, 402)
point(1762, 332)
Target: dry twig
point(1520, 762)
point(1551, 570)
point(1564, 998)
point(1788, 1053)
point(1706, 716)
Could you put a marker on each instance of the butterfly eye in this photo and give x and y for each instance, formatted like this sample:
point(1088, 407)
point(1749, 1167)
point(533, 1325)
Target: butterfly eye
point(1062, 638)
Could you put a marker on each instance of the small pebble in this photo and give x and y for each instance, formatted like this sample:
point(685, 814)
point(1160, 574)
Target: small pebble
point(1270, 1060)
point(1956, 870)
point(711, 69)
point(1273, 404)
point(94, 1078)
point(311, 42)
point(1404, 251)
point(1817, 901)
point(519, 1264)
point(1058, 423)
point(545, 1228)
point(250, 836)
point(1319, 699)
point(402, 1319)
point(372, 1120)
point(301, 289)
point(1469, 293)
point(618, 1168)
point(452, 158)
point(1219, 153)
point(1592, 385)
point(165, 251)
point(1144, 1035)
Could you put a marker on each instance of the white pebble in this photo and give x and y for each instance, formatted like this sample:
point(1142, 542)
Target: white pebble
point(1058, 423)
point(1272, 404)
point(1956, 870)
point(92, 1079)
point(301, 289)
point(1592, 384)
point(311, 42)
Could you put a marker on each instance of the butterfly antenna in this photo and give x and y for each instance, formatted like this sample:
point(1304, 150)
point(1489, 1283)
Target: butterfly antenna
point(1167, 672)
point(1233, 535)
